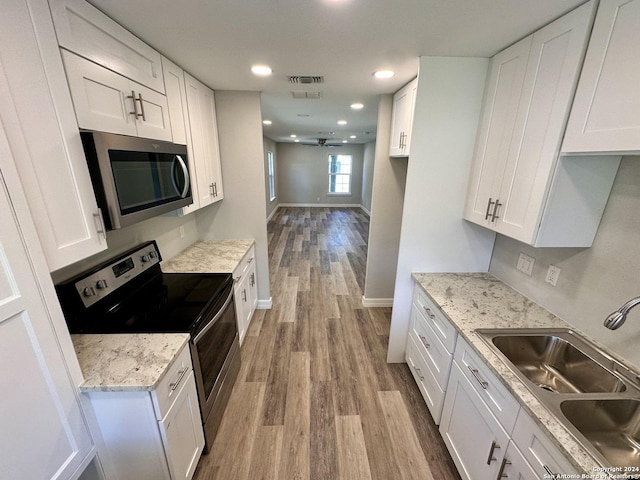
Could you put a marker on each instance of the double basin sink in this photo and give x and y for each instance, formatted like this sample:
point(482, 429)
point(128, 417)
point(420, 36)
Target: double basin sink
point(594, 396)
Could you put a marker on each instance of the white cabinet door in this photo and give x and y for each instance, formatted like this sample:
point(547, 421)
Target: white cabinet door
point(502, 97)
point(402, 120)
point(605, 116)
point(204, 140)
point(83, 29)
point(176, 101)
point(108, 102)
point(182, 432)
point(44, 434)
point(476, 441)
point(37, 113)
point(252, 291)
point(242, 306)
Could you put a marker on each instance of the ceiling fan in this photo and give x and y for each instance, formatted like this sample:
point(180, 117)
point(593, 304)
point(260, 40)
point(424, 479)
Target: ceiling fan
point(322, 142)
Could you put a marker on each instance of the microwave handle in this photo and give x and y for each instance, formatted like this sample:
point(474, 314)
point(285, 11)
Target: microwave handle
point(187, 181)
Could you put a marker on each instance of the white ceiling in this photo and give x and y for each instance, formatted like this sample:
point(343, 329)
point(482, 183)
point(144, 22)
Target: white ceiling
point(344, 40)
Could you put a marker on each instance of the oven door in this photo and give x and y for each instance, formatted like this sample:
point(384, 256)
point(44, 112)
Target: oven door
point(213, 344)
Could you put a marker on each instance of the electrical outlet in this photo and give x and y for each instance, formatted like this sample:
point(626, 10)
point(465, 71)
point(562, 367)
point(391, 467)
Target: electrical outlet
point(181, 231)
point(525, 264)
point(552, 275)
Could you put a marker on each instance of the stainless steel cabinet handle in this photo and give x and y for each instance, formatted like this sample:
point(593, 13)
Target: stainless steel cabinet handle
point(488, 214)
point(495, 216)
point(501, 473)
point(236, 280)
point(244, 294)
point(135, 107)
point(215, 189)
point(174, 385)
point(494, 447)
point(211, 189)
point(100, 228)
point(252, 279)
point(483, 383)
point(424, 341)
point(418, 372)
point(144, 119)
point(429, 312)
point(549, 472)
point(250, 260)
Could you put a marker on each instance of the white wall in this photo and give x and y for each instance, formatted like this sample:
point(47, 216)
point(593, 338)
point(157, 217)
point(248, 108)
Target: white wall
point(303, 174)
point(241, 214)
point(368, 163)
point(270, 146)
point(434, 238)
point(388, 185)
point(593, 281)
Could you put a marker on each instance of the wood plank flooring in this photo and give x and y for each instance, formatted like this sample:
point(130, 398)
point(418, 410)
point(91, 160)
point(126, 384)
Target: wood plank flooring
point(315, 398)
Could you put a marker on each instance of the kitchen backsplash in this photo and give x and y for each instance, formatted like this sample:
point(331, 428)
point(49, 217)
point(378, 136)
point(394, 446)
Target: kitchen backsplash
point(594, 281)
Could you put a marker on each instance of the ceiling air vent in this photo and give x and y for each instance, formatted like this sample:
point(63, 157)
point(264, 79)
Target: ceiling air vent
point(306, 79)
point(305, 94)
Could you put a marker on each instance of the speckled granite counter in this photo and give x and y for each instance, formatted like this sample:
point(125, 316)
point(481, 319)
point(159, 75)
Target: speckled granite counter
point(126, 362)
point(473, 301)
point(209, 256)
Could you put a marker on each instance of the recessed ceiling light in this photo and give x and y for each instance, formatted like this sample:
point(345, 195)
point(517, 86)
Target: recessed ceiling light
point(261, 70)
point(293, 135)
point(342, 122)
point(267, 122)
point(296, 140)
point(383, 74)
point(357, 106)
point(345, 141)
point(352, 136)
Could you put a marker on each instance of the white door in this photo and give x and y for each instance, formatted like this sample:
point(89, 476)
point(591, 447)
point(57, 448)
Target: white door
point(504, 86)
point(552, 73)
point(605, 116)
point(44, 434)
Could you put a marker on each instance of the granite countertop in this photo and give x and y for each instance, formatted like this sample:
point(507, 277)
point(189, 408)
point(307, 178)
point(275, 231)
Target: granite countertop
point(477, 300)
point(126, 362)
point(209, 256)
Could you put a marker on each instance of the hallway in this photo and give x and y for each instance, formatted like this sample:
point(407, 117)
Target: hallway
point(315, 398)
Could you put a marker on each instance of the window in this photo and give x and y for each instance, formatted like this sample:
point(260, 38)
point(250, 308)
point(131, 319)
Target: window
point(340, 174)
point(272, 177)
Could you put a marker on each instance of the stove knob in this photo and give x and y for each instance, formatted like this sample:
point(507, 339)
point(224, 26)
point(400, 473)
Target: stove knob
point(145, 258)
point(153, 254)
point(101, 284)
point(88, 292)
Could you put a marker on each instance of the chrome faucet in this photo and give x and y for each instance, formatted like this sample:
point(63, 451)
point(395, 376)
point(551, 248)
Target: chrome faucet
point(617, 318)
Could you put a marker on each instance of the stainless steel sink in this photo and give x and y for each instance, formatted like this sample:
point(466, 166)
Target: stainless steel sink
point(612, 426)
point(592, 394)
point(558, 362)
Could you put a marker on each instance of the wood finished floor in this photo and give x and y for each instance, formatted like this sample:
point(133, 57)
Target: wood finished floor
point(315, 398)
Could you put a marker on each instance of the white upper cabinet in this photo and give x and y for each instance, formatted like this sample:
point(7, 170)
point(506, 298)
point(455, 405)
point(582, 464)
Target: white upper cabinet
point(85, 30)
point(605, 116)
point(176, 101)
point(402, 120)
point(204, 143)
point(519, 186)
point(37, 113)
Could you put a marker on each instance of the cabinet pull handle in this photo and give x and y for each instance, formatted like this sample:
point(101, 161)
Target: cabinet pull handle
point(423, 339)
point(175, 384)
point(144, 119)
point(501, 473)
point(244, 294)
point(215, 189)
point(550, 472)
point(429, 312)
point(495, 216)
point(211, 189)
point(135, 107)
point(487, 215)
point(236, 280)
point(494, 447)
point(100, 228)
point(252, 279)
point(250, 260)
point(418, 372)
point(483, 383)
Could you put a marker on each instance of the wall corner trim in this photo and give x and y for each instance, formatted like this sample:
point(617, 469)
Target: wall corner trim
point(376, 302)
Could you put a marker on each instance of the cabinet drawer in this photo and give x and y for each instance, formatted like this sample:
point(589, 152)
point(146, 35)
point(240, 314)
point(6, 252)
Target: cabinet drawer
point(436, 355)
point(489, 387)
point(170, 385)
point(243, 265)
point(538, 449)
point(438, 322)
point(431, 392)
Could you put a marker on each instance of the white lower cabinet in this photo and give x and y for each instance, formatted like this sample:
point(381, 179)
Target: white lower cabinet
point(515, 467)
point(245, 291)
point(152, 434)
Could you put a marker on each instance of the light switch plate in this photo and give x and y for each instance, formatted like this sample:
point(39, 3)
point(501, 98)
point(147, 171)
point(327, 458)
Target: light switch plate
point(525, 264)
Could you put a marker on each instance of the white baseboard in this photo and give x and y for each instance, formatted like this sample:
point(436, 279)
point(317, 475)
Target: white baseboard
point(321, 205)
point(265, 304)
point(376, 302)
point(273, 212)
point(364, 209)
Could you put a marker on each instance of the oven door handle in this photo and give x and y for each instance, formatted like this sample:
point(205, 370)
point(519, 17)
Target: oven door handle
point(215, 318)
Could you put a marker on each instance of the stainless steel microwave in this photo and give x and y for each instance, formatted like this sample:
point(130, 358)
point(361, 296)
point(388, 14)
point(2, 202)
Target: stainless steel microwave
point(136, 178)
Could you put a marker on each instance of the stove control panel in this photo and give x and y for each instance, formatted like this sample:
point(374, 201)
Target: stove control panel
point(117, 273)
